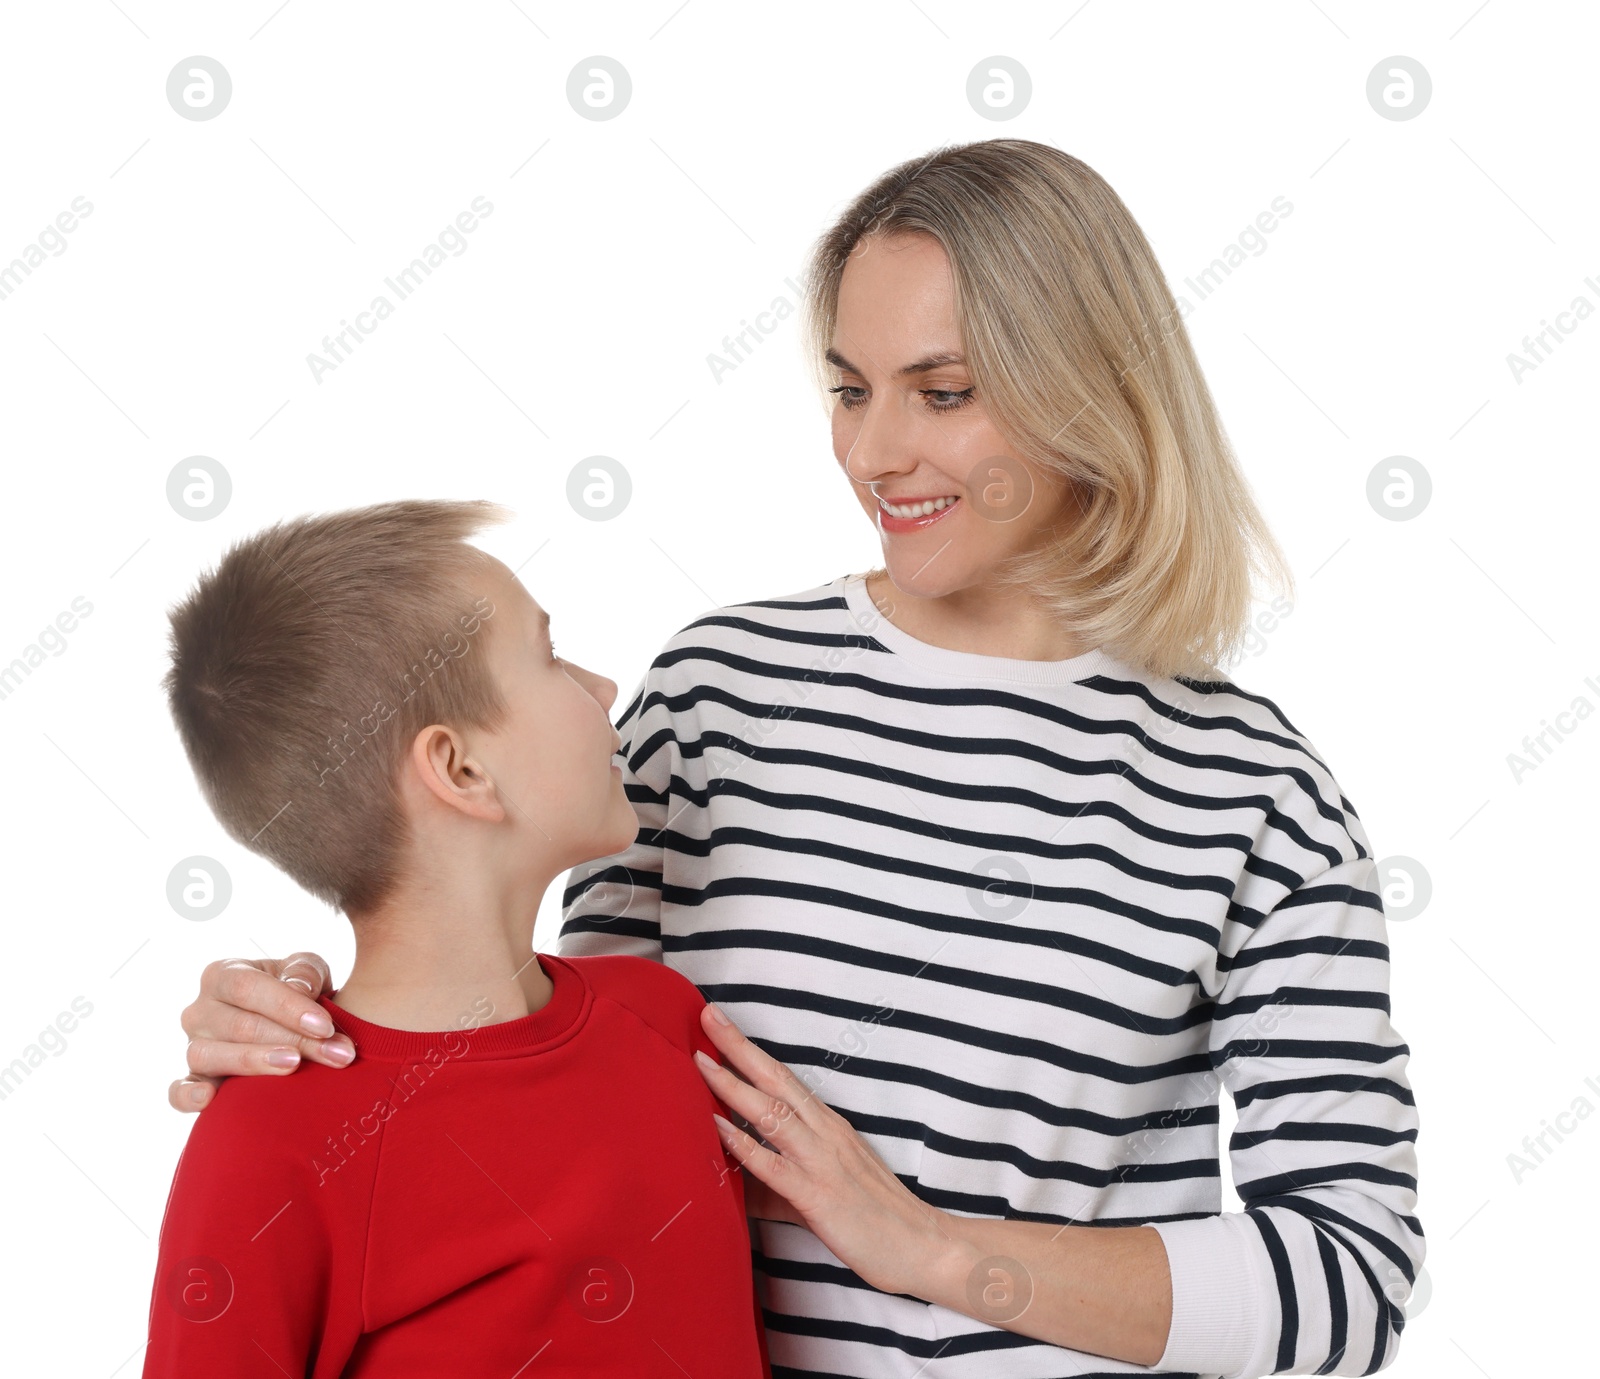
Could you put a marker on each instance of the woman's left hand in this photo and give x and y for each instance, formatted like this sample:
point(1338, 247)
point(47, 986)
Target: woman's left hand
point(835, 1184)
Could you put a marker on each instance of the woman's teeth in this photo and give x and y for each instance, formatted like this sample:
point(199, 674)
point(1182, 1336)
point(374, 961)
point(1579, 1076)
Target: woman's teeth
point(915, 509)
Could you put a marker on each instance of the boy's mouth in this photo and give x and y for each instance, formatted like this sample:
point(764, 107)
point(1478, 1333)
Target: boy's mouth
point(913, 514)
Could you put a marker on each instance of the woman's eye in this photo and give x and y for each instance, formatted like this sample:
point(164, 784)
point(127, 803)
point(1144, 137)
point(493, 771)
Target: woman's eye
point(938, 399)
point(947, 399)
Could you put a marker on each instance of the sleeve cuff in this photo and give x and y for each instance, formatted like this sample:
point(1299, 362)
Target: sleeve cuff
point(1222, 1310)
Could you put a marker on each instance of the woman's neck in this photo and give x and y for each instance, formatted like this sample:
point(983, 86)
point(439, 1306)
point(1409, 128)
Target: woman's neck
point(979, 621)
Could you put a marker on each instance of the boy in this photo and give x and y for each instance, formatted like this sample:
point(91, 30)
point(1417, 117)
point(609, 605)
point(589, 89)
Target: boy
point(519, 1176)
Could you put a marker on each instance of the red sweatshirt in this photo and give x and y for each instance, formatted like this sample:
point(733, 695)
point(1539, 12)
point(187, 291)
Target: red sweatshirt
point(540, 1198)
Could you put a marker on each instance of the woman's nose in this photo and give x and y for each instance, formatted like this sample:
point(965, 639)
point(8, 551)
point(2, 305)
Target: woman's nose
point(884, 445)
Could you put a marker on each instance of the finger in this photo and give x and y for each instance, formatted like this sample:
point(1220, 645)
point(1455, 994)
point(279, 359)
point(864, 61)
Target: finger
point(773, 1117)
point(244, 984)
point(308, 971)
point(338, 1052)
point(764, 1204)
point(230, 1024)
point(760, 1068)
point(191, 1094)
point(770, 1168)
point(215, 1059)
point(213, 1022)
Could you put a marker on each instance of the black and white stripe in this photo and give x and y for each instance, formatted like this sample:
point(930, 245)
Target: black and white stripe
point(1017, 921)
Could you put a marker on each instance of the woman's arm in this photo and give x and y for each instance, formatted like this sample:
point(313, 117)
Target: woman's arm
point(1103, 1291)
point(1312, 1275)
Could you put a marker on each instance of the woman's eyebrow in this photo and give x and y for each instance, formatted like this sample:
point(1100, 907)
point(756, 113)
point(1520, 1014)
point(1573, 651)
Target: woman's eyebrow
point(932, 361)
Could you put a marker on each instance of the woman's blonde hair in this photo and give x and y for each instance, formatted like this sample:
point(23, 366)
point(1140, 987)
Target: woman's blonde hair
point(1080, 355)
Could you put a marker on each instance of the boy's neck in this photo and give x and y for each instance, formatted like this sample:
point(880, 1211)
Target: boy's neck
point(446, 957)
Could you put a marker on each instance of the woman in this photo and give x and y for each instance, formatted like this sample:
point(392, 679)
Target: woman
point(986, 849)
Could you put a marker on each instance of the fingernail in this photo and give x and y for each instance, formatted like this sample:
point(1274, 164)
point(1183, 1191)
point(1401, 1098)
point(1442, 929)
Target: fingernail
point(723, 1127)
point(708, 1064)
point(301, 982)
point(717, 1015)
point(317, 1022)
point(283, 1058)
point(338, 1053)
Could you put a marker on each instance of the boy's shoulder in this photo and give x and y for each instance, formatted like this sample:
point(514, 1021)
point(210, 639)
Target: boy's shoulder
point(659, 995)
point(260, 1119)
point(267, 1141)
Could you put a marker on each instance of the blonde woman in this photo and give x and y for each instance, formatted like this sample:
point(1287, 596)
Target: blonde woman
point(997, 875)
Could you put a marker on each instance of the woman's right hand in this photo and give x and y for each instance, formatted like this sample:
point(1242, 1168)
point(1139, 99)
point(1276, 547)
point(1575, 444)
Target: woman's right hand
point(256, 1016)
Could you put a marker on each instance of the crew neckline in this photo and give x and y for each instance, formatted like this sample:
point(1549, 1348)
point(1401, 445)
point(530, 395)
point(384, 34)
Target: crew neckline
point(552, 1024)
point(966, 665)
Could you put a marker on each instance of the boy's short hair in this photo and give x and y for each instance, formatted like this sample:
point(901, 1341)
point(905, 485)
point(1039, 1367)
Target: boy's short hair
point(306, 663)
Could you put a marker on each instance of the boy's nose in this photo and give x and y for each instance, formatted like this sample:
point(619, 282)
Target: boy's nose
point(601, 690)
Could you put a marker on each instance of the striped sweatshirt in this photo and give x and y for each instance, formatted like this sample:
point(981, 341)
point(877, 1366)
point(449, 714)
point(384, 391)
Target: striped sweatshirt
point(1020, 922)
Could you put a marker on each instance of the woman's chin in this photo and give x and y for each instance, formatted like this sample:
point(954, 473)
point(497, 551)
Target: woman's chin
point(926, 575)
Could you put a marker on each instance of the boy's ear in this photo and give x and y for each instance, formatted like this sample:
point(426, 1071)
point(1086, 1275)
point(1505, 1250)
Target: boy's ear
point(439, 758)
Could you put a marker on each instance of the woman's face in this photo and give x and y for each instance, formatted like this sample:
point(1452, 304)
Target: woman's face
point(948, 495)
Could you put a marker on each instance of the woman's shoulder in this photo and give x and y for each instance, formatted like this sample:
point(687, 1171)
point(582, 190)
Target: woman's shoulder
point(1247, 734)
point(1223, 698)
point(813, 615)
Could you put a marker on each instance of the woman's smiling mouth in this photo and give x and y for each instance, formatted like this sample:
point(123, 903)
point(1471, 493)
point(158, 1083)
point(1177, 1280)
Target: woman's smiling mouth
point(914, 514)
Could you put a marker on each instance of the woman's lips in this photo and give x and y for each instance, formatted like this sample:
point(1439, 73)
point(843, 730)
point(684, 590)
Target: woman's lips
point(888, 522)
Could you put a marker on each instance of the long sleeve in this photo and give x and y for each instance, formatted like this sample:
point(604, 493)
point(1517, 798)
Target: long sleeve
point(613, 904)
point(246, 1280)
point(1310, 1277)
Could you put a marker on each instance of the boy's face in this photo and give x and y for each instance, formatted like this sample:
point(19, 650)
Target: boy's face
point(551, 756)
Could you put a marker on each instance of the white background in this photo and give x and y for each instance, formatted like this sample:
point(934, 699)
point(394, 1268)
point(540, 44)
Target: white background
point(578, 321)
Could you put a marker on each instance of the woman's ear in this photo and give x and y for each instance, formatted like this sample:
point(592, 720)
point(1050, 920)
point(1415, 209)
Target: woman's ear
point(440, 761)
